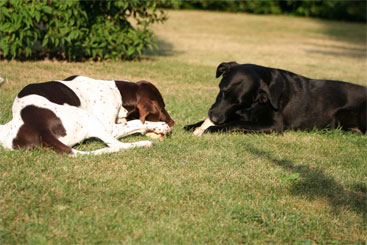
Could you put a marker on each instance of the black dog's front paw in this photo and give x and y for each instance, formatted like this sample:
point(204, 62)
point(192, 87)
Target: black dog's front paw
point(213, 129)
point(192, 127)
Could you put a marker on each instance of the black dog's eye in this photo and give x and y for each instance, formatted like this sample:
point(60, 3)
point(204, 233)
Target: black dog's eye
point(225, 93)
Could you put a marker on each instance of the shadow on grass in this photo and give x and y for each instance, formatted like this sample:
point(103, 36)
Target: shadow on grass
point(315, 184)
point(348, 32)
point(339, 53)
point(339, 50)
point(164, 49)
point(352, 34)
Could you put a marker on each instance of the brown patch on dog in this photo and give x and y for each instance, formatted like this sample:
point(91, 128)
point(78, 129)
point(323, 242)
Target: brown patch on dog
point(41, 126)
point(55, 92)
point(143, 101)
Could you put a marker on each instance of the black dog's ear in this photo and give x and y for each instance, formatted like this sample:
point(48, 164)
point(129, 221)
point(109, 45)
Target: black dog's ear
point(273, 91)
point(261, 97)
point(225, 67)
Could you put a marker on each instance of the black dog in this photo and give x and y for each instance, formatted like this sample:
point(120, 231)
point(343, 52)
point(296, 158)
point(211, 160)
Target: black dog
point(254, 98)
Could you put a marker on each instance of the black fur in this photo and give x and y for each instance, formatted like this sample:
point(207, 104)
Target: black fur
point(254, 98)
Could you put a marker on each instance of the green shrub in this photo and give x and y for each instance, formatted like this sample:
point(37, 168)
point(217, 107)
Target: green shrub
point(77, 30)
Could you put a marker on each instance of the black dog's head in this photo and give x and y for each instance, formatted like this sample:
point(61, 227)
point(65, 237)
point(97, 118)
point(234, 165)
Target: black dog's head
point(242, 89)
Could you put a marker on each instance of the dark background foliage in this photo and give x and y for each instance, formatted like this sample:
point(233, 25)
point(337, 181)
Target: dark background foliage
point(351, 10)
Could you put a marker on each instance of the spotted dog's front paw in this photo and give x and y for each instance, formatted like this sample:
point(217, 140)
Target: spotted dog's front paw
point(144, 143)
point(158, 127)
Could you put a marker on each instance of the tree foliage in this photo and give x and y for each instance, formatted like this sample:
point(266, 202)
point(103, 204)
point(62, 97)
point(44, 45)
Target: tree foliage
point(354, 10)
point(77, 30)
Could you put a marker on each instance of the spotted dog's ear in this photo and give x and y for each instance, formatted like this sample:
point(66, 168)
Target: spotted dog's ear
point(225, 67)
point(148, 110)
point(144, 109)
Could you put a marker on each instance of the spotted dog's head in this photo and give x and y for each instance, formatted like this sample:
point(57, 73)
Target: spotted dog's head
point(143, 101)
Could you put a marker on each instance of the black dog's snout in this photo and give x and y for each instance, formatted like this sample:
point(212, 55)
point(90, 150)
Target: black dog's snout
point(216, 119)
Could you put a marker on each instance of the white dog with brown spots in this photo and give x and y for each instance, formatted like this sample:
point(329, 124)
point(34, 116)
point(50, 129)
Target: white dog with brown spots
point(63, 113)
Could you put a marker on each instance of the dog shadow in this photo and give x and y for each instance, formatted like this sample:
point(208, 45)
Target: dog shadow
point(314, 183)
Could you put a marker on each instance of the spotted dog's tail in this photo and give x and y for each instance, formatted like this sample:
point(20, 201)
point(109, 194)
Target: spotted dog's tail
point(4, 130)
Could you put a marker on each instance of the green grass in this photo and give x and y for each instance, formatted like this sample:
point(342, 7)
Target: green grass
point(299, 187)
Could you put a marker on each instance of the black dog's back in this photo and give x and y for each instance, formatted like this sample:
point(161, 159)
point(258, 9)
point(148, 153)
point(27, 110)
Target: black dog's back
point(327, 104)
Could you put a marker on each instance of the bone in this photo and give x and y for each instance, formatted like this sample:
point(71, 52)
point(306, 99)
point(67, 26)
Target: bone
point(206, 124)
point(154, 135)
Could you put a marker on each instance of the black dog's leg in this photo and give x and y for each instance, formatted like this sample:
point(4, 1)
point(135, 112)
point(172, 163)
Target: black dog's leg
point(192, 127)
point(246, 127)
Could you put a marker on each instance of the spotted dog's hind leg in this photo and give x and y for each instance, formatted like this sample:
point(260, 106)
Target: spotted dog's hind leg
point(114, 148)
point(41, 126)
point(96, 130)
point(85, 125)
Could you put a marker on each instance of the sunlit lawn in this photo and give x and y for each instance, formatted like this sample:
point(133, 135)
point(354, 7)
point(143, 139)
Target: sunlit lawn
point(219, 188)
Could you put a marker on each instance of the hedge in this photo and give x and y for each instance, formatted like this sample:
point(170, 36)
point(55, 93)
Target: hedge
point(77, 30)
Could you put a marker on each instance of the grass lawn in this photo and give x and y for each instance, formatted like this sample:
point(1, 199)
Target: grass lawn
point(219, 188)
